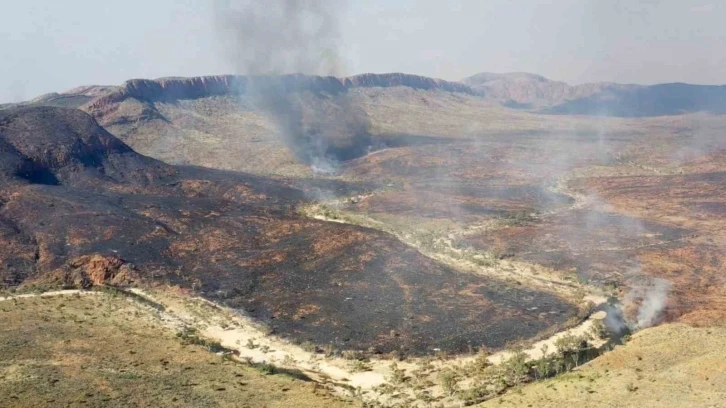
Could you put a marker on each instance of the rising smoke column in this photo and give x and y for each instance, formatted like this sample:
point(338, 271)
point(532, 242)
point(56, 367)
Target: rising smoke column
point(651, 294)
point(267, 39)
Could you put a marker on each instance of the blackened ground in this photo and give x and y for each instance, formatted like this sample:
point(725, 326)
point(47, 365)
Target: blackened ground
point(599, 246)
point(238, 239)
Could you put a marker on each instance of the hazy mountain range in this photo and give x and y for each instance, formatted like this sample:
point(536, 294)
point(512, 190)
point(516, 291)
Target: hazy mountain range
point(515, 90)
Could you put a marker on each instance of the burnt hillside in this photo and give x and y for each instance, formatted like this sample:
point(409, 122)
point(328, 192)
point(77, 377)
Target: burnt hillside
point(103, 214)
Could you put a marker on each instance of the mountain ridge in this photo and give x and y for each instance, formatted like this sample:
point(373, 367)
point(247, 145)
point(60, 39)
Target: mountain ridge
point(518, 90)
point(167, 89)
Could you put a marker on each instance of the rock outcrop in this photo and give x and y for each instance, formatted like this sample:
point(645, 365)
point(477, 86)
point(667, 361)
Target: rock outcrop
point(171, 89)
point(95, 270)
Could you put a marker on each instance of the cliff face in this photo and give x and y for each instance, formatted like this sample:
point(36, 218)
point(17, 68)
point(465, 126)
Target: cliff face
point(170, 89)
point(411, 81)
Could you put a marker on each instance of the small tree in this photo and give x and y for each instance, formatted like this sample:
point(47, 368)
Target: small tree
point(515, 368)
point(542, 368)
point(545, 347)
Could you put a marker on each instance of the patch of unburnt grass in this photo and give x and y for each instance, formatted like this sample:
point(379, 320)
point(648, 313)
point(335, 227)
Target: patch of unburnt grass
point(104, 350)
point(447, 383)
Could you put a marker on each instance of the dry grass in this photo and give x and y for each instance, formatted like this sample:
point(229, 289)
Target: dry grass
point(106, 351)
point(228, 133)
point(668, 366)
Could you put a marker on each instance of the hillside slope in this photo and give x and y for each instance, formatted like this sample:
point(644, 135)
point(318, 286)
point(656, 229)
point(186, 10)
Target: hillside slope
point(113, 216)
point(46, 145)
point(100, 350)
point(666, 366)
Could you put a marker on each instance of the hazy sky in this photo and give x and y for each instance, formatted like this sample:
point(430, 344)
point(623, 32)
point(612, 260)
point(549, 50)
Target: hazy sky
point(50, 45)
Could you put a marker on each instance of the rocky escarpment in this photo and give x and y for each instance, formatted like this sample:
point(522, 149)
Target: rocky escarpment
point(411, 81)
point(518, 90)
point(171, 89)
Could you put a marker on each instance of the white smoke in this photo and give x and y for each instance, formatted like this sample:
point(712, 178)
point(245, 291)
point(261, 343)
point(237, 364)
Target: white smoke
point(264, 39)
point(281, 36)
point(652, 296)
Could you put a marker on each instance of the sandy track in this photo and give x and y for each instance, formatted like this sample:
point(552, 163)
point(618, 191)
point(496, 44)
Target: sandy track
point(238, 332)
point(241, 333)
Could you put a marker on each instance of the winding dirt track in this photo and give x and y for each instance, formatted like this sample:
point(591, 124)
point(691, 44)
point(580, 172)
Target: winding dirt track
point(241, 333)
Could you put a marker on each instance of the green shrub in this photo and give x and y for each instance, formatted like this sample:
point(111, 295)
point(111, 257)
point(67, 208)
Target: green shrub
point(515, 369)
point(358, 366)
point(266, 368)
point(449, 382)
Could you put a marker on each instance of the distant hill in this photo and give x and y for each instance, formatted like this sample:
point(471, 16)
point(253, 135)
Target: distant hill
point(214, 121)
point(71, 98)
point(528, 91)
point(171, 89)
point(524, 90)
point(655, 100)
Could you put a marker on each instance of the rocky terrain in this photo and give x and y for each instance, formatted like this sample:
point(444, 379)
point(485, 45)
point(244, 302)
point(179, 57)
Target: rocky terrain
point(452, 215)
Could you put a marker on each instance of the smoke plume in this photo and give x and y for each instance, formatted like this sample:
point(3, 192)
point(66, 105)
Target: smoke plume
point(267, 40)
point(651, 294)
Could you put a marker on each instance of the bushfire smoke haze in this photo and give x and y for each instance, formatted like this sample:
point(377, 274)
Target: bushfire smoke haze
point(292, 36)
point(46, 46)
